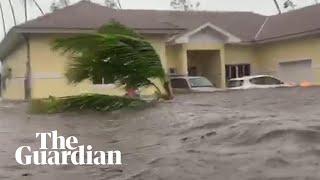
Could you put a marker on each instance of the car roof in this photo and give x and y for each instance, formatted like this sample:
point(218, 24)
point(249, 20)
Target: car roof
point(250, 77)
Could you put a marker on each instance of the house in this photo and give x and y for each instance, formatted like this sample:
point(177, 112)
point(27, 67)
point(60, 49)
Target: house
point(217, 45)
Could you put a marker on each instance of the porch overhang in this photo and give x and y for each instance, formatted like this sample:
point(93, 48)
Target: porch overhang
point(224, 35)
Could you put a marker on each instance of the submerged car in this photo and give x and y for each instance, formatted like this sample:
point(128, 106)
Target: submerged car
point(252, 82)
point(185, 84)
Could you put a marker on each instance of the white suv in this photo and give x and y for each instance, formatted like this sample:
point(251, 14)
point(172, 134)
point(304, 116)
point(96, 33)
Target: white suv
point(251, 82)
point(184, 84)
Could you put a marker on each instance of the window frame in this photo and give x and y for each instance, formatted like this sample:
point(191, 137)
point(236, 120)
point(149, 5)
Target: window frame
point(233, 70)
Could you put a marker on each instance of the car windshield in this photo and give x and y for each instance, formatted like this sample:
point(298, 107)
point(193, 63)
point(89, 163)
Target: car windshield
point(235, 83)
point(200, 82)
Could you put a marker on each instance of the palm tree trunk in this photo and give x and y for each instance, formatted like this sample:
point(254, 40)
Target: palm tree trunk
point(27, 81)
point(277, 5)
point(13, 13)
point(65, 2)
point(38, 6)
point(119, 4)
point(25, 11)
point(3, 22)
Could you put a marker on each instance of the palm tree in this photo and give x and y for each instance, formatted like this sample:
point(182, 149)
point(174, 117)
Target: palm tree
point(38, 6)
point(185, 5)
point(114, 55)
point(25, 3)
point(3, 21)
point(113, 4)
point(13, 13)
point(119, 4)
point(277, 5)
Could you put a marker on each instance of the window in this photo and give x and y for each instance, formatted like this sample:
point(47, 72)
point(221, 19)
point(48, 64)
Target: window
point(235, 83)
point(179, 83)
point(238, 70)
point(265, 81)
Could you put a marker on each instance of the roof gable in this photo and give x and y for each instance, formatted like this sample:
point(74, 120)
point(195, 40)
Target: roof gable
point(207, 32)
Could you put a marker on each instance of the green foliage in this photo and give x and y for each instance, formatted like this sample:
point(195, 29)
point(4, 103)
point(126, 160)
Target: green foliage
point(95, 102)
point(116, 53)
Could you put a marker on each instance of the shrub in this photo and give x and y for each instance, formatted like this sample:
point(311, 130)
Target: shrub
point(95, 102)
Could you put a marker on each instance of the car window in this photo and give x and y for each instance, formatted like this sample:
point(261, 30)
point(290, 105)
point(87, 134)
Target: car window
point(200, 82)
point(235, 83)
point(179, 83)
point(266, 81)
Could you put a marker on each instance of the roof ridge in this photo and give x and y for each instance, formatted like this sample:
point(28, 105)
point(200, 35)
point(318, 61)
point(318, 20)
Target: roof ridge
point(191, 11)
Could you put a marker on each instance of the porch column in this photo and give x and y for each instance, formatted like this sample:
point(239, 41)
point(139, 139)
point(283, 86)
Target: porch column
point(223, 68)
point(183, 61)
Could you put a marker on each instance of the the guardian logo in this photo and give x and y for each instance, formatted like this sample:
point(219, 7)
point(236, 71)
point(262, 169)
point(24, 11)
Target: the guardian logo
point(64, 151)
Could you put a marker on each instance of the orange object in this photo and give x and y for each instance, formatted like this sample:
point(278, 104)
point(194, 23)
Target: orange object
point(305, 84)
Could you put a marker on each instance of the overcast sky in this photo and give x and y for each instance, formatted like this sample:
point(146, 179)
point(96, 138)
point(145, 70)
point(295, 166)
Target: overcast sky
point(265, 7)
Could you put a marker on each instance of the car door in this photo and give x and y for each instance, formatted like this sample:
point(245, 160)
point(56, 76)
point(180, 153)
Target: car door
point(265, 82)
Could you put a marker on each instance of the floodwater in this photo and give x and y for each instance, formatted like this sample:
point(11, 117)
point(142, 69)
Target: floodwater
point(271, 134)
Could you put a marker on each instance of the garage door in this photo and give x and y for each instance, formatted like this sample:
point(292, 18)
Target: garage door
point(296, 71)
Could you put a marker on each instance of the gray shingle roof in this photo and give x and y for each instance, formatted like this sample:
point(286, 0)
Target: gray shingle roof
point(248, 26)
point(86, 15)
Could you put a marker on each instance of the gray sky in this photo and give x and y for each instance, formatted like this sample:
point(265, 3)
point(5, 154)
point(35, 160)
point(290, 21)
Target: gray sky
point(266, 7)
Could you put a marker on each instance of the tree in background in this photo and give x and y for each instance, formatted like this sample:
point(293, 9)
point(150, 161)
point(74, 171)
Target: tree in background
point(25, 4)
point(289, 4)
point(185, 5)
point(58, 4)
point(114, 55)
point(115, 4)
point(277, 6)
point(13, 13)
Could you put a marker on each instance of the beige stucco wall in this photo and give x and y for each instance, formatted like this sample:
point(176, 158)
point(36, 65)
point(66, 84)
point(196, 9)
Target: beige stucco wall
point(270, 55)
point(48, 68)
point(16, 61)
point(242, 54)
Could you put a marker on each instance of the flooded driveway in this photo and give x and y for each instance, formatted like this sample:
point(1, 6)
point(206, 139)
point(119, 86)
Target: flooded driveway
point(271, 134)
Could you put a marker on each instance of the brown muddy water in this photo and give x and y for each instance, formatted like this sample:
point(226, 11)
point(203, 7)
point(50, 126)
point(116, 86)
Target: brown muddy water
point(271, 134)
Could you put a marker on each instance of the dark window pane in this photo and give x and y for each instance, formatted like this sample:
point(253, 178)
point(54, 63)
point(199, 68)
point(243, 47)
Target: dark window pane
point(235, 83)
point(228, 72)
point(179, 83)
point(247, 70)
point(233, 72)
point(241, 70)
point(265, 81)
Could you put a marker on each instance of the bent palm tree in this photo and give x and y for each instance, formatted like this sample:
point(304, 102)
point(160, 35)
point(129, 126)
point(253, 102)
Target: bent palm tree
point(25, 4)
point(115, 54)
point(38, 6)
point(277, 6)
point(13, 13)
point(3, 21)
